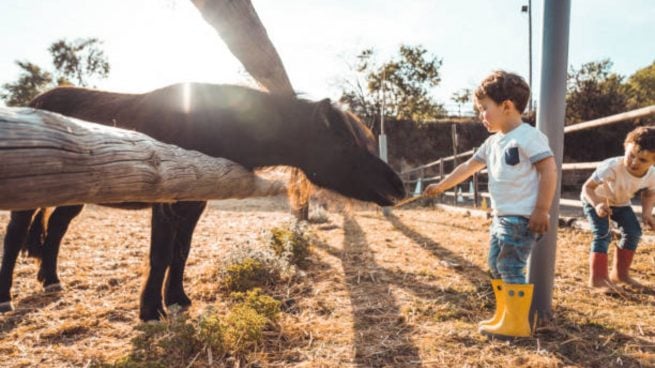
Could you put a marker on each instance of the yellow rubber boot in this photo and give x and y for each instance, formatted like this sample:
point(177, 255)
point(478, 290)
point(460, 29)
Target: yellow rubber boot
point(514, 322)
point(498, 286)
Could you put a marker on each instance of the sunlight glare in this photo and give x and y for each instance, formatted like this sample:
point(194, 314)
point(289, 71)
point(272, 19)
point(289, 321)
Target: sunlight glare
point(186, 97)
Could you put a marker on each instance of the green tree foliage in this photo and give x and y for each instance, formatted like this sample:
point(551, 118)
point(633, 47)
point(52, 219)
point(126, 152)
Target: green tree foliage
point(402, 84)
point(78, 62)
point(593, 92)
point(461, 97)
point(32, 80)
point(641, 87)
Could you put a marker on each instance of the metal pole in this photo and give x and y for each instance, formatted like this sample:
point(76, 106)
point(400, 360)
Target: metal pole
point(383, 137)
point(554, 61)
point(528, 9)
point(530, 51)
point(383, 141)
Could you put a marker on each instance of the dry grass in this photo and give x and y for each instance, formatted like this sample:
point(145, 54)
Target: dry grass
point(402, 291)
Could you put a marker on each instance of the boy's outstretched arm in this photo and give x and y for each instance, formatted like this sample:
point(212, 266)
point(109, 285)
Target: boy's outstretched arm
point(647, 202)
point(461, 173)
point(547, 185)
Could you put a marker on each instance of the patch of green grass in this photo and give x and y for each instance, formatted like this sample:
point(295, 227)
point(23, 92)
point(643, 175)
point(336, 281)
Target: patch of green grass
point(291, 242)
point(170, 342)
point(262, 303)
point(179, 340)
point(244, 328)
point(248, 274)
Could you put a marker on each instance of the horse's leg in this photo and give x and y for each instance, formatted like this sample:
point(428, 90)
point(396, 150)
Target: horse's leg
point(33, 244)
point(17, 229)
point(162, 239)
point(188, 216)
point(57, 226)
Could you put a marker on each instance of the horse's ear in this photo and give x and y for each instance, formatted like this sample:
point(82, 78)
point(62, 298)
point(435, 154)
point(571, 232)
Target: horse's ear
point(322, 111)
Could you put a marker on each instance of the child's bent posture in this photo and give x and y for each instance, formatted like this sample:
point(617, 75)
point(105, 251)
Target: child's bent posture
point(606, 195)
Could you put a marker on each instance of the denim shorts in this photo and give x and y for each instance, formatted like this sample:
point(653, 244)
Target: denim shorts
point(511, 242)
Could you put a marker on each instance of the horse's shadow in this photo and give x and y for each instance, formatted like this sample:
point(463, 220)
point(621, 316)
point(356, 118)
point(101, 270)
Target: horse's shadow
point(471, 271)
point(375, 310)
point(26, 306)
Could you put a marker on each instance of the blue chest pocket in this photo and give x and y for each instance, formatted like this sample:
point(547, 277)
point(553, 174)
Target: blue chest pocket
point(512, 156)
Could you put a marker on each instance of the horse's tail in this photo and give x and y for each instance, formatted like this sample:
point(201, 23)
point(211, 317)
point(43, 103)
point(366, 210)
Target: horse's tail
point(33, 245)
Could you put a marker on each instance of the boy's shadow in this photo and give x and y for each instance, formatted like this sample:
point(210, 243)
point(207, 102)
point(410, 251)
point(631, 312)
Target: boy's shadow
point(375, 308)
point(470, 270)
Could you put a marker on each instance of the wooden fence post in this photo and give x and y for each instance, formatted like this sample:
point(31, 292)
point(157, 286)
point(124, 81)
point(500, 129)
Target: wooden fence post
point(454, 139)
point(441, 173)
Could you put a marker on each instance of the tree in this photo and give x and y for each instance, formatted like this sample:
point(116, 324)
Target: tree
point(461, 97)
point(80, 61)
point(641, 87)
point(402, 85)
point(31, 81)
point(77, 62)
point(593, 92)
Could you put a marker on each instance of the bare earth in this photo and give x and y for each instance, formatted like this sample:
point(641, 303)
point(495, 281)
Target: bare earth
point(400, 291)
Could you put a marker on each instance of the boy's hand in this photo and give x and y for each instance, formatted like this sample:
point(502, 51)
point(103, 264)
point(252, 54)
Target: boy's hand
point(650, 221)
point(432, 190)
point(539, 221)
point(603, 209)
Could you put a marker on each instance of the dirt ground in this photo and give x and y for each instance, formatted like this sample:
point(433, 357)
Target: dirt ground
point(405, 290)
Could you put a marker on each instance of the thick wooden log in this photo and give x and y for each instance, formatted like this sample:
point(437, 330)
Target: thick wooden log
point(47, 159)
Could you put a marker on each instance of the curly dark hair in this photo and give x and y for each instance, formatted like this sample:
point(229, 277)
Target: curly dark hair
point(501, 86)
point(643, 137)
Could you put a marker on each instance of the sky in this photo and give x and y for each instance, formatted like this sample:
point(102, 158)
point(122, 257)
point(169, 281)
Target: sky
point(154, 43)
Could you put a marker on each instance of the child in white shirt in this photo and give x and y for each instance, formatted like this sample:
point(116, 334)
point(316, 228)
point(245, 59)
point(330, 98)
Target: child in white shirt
point(522, 183)
point(606, 195)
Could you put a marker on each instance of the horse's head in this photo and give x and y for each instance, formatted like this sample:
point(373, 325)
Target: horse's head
point(340, 155)
point(258, 129)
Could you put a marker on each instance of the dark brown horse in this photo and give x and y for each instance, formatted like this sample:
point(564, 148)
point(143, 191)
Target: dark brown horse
point(252, 128)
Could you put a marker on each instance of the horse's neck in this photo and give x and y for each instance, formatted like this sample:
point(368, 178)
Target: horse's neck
point(114, 109)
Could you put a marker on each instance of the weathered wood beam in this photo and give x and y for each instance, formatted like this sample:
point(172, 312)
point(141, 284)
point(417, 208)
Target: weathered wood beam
point(47, 159)
point(239, 26)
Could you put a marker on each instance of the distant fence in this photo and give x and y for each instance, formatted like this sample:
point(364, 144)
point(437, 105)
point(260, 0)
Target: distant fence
point(415, 178)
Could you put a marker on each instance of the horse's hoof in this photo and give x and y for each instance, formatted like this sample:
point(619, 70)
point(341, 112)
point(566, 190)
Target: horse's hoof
point(176, 308)
point(6, 307)
point(181, 301)
point(53, 288)
point(155, 315)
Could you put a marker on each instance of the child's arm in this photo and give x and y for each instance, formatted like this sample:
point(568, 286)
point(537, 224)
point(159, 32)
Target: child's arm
point(647, 202)
point(599, 203)
point(547, 185)
point(461, 173)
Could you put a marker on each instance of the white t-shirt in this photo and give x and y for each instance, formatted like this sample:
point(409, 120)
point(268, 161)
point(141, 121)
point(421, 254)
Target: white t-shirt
point(513, 178)
point(617, 184)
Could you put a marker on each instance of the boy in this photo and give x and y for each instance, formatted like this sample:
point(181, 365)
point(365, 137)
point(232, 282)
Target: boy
point(606, 195)
point(522, 183)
